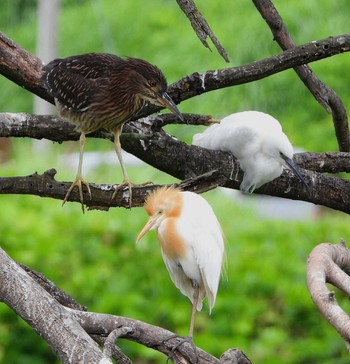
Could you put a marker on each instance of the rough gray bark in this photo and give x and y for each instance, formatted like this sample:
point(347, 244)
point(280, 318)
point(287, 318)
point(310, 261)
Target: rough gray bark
point(69, 331)
point(45, 315)
point(330, 263)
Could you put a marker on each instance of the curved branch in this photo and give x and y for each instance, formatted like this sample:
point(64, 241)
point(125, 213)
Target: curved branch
point(330, 263)
point(109, 347)
point(321, 92)
point(68, 330)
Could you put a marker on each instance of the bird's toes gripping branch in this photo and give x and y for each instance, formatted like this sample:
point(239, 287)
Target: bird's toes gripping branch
point(79, 182)
point(130, 185)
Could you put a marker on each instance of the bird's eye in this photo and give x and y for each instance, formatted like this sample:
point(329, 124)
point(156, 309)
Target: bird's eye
point(152, 83)
point(159, 212)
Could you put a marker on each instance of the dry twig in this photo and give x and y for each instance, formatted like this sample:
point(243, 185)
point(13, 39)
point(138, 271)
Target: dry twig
point(201, 26)
point(322, 93)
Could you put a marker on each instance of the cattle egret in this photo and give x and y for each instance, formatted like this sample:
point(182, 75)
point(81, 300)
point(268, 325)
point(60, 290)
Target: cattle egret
point(257, 141)
point(191, 241)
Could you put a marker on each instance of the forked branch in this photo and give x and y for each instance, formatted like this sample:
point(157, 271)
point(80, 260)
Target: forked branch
point(70, 330)
point(325, 95)
point(14, 58)
point(203, 169)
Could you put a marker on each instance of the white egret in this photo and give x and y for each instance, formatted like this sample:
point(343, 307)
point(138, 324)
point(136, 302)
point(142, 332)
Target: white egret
point(257, 141)
point(191, 241)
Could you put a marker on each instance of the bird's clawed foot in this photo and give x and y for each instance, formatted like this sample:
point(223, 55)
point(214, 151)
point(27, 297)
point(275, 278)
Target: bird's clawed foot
point(183, 340)
point(129, 184)
point(79, 182)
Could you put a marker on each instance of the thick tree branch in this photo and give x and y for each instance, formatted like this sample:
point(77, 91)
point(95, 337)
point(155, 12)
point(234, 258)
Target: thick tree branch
point(57, 129)
point(322, 93)
point(45, 315)
point(21, 67)
point(201, 27)
point(62, 297)
point(198, 83)
point(68, 331)
point(330, 263)
point(13, 58)
point(155, 147)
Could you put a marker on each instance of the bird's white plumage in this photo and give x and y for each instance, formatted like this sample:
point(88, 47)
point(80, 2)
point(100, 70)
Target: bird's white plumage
point(257, 141)
point(199, 228)
point(191, 241)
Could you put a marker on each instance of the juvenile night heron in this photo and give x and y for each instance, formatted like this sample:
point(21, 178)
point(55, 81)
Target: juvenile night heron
point(191, 241)
point(103, 91)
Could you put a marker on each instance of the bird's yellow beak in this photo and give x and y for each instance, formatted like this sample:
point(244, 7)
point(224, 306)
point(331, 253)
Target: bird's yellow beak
point(150, 225)
point(166, 101)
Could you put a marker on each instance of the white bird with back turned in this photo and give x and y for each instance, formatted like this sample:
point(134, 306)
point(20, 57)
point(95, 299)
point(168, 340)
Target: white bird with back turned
point(191, 241)
point(257, 141)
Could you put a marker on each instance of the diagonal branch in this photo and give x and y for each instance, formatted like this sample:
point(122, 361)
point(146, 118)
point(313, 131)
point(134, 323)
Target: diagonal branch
point(14, 58)
point(198, 83)
point(322, 93)
point(201, 27)
point(68, 331)
point(330, 263)
point(45, 315)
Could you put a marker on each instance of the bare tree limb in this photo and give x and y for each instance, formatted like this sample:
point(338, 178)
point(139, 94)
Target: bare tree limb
point(68, 331)
point(45, 185)
point(201, 27)
point(203, 168)
point(62, 297)
point(21, 67)
point(329, 162)
point(192, 85)
point(322, 93)
point(198, 83)
point(330, 263)
point(57, 129)
point(109, 347)
point(234, 356)
point(45, 315)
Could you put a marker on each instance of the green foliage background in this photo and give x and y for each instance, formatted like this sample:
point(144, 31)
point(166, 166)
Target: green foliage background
point(263, 307)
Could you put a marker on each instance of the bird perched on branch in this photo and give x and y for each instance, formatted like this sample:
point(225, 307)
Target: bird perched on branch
point(257, 141)
point(103, 91)
point(191, 241)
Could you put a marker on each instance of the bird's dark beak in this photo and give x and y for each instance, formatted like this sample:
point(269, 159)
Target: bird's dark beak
point(294, 167)
point(165, 100)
